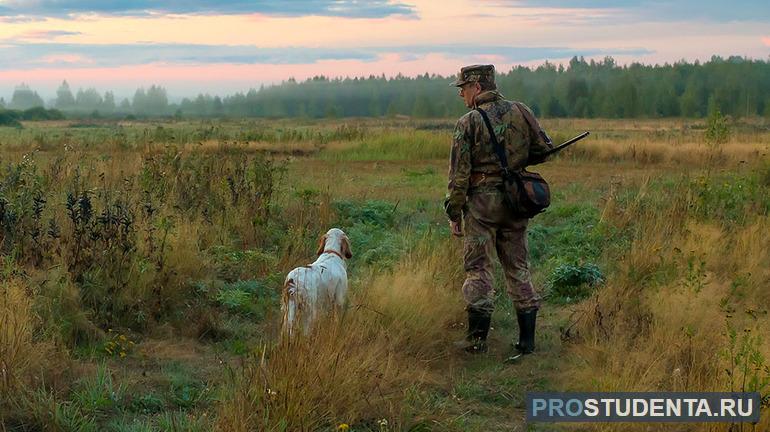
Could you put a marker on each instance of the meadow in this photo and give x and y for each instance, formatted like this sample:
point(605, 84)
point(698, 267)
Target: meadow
point(142, 263)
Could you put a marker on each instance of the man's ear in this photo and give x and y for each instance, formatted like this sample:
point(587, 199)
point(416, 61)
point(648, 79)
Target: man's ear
point(321, 245)
point(346, 248)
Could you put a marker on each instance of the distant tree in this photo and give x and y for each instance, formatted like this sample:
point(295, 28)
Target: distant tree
point(139, 103)
point(88, 100)
point(64, 98)
point(152, 102)
point(217, 107)
point(577, 90)
point(392, 110)
point(665, 102)
point(765, 108)
point(555, 108)
point(717, 129)
point(24, 98)
point(739, 86)
point(157, 100)
point(375, 109)
point(422, 106)
point(108, 103)
point(332, 111)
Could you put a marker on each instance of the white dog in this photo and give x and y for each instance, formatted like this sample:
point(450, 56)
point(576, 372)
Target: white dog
point(313, 289)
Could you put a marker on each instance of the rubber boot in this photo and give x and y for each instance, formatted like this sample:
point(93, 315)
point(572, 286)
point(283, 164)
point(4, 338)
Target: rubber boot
point(527, 320)
point(478, 329)
point(526, 345)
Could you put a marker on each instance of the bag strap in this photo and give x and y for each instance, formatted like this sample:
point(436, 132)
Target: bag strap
point(528, 117)
point(496, 145)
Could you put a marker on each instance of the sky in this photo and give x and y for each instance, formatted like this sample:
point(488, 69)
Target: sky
point(224, 46)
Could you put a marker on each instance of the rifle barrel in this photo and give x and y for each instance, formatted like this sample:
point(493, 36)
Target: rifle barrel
point(567, 143)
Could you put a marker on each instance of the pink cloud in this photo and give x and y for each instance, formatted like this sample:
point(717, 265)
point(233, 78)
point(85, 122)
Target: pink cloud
point(766, 41)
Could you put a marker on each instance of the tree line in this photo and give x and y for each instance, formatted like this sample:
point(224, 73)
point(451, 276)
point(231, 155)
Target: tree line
point(737, 86)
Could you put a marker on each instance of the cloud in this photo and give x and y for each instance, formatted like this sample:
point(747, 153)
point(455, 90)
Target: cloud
point(766, 41)
point(46, 34)
point(656, 10)
point(513, 54)
point(32, 55)
point(57, 59)
point(337, 8)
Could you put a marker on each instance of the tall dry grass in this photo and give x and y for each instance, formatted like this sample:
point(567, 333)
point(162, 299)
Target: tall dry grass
point(651, 151)
point(25, 362)
point(687, 306)
point(16, 323)
point(355, 368)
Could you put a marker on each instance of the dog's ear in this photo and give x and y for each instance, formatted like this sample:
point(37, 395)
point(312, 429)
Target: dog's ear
point(346, 248)
point(321, 245)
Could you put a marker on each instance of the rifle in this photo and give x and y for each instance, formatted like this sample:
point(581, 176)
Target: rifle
point(566, 144)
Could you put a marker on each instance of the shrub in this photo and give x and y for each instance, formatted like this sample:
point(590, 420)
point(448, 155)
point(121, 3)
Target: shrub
point(571, 282)
point(371, 212)
point(9, 118)
point(252, 298)
point(40, 113)
point(717, 129)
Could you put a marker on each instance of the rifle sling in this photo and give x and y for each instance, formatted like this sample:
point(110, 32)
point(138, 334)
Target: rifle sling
point(506, 173)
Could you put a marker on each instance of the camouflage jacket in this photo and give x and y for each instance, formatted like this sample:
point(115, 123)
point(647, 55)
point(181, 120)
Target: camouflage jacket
point(473, 152)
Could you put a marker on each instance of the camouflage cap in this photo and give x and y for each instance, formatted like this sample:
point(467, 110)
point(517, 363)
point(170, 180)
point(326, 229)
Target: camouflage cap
point(475, 73)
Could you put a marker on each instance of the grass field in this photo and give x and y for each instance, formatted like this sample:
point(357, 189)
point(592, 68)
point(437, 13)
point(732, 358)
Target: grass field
point(142, 265)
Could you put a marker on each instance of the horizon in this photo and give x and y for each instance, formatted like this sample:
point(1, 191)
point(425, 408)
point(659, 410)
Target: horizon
point(175, 98)
point(225, 47)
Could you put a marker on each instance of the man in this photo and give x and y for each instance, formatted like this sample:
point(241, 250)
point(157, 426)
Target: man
point(475, 198)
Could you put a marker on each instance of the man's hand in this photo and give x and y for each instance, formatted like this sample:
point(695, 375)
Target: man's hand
point(456, 228)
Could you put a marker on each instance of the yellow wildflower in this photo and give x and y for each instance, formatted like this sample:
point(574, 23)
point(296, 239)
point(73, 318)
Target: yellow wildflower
point(343, 427)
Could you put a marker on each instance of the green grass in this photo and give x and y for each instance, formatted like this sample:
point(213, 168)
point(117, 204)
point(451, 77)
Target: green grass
point(394, 146)
point(184, 390)
point(98, 396)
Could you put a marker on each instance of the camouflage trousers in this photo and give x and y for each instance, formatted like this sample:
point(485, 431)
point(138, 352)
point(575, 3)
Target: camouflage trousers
point(490, 229)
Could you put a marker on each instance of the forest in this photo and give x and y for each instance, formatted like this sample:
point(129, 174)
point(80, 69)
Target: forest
point(737, 86)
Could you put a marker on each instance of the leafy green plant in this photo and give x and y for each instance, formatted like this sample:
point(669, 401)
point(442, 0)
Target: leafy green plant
point(253, 298)
point(572, 282)
point(149, 403)
point(748, 370)
point(236, 300)
point(717, 129)
point(370, 212)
